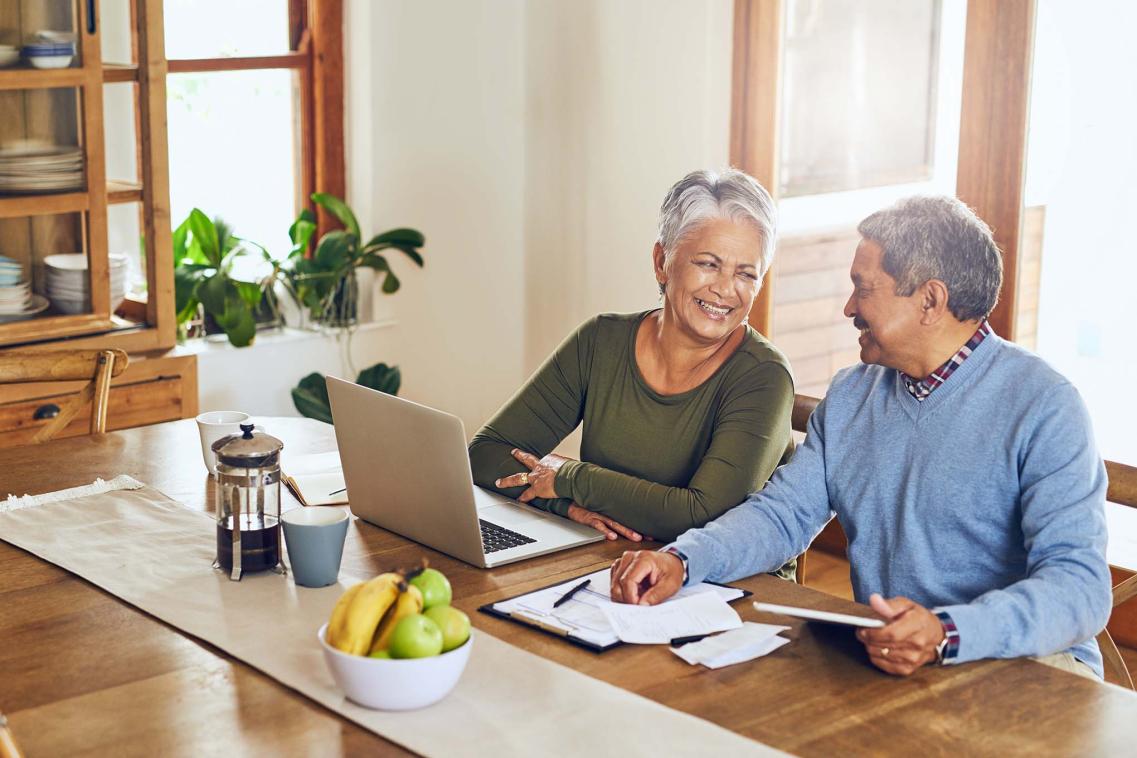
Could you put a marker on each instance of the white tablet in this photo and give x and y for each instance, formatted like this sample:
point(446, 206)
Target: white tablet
point(811, 615)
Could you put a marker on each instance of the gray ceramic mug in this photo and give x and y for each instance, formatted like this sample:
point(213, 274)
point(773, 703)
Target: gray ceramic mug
point(315, 536)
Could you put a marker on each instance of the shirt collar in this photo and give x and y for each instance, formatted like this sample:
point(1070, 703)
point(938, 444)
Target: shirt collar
point(921, 388)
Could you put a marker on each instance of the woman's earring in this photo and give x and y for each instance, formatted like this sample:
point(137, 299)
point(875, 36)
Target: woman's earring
point(662, 287)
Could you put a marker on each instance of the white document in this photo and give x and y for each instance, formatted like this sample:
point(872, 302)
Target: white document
point(736, 646)
point(583, 615)
point(702, 613)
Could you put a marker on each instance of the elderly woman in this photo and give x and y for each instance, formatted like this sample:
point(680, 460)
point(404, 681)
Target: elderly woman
point(686, 409)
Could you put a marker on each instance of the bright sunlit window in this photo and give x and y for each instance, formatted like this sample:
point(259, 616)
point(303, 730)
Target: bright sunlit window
point(234, 135)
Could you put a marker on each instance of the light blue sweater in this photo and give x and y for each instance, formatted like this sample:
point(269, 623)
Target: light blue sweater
point(986, 500)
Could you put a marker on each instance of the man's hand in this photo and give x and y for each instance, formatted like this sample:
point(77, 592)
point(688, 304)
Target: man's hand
point(539, 478)
point(907, 641)
point(646, 577)
point(609, 527)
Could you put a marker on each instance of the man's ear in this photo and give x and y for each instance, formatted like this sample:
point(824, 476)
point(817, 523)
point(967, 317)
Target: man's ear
point(657, 258)
point(934, 301)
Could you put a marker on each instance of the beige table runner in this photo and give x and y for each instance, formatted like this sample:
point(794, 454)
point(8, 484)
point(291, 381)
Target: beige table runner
point(155, 554)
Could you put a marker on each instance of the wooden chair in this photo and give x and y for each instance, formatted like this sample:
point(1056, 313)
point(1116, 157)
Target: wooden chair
point(96, 366)
point(1122, 490)
point(799, 417)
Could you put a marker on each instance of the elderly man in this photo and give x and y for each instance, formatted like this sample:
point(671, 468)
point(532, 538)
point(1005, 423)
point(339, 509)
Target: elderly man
point(962, 468)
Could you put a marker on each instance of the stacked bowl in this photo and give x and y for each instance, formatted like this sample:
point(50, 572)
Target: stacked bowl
point(16, 298)
point(50, 50)
point(28, 166)
point(68, 285)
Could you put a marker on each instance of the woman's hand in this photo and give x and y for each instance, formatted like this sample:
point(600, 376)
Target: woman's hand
point(540, 477)
point(610, 528)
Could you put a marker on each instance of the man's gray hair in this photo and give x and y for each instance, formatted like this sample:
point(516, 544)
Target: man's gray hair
point(704, 195)
point(939, 237)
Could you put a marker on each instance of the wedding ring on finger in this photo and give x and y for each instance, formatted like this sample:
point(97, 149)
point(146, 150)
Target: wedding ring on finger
point(525, 478)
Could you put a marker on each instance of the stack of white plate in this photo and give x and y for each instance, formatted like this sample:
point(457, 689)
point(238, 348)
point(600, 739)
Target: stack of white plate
point(16, 298)
point(68, 285)
point(30, 167)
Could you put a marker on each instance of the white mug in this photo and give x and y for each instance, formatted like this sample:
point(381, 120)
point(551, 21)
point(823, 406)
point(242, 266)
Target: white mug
point(212, 426)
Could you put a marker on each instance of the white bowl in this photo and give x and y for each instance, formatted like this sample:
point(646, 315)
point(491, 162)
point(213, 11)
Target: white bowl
point(50, 61)
point(9, 58)
point(395, 685)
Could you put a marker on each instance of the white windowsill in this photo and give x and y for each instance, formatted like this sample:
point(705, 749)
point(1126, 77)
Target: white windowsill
point(288, 335)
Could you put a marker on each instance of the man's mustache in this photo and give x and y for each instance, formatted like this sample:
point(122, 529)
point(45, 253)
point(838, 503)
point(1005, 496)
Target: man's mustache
point(859, 323)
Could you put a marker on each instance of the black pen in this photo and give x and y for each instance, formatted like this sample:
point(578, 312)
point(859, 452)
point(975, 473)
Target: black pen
point(681, 641)
point(568, 595)
point(342, 489)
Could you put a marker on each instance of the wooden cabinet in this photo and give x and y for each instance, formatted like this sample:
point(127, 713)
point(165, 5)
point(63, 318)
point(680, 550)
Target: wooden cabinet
point(155, 387)
point(66, 107)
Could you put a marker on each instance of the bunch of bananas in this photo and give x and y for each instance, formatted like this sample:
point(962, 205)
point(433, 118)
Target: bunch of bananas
point(366, 615)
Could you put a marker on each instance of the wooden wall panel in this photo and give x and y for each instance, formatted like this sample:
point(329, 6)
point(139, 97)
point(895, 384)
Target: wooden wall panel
point(756, 79)
point(992, 137)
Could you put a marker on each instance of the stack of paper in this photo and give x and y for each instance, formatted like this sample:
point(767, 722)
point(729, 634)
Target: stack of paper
point(702, 613)
point(316, 479)
point(746, 643)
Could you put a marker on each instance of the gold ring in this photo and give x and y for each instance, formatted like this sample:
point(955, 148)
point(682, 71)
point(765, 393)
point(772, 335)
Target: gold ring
point(884, 652)
point(525, 478)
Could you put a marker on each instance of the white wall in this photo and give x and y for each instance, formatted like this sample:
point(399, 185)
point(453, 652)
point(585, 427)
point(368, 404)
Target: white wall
point(532, 143)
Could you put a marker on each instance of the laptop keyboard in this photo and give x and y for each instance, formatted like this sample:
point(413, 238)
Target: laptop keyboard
point(496, 537)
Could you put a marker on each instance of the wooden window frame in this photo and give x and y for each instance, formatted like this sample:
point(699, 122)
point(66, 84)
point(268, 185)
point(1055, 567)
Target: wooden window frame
point(316, 52)
point(993, 123)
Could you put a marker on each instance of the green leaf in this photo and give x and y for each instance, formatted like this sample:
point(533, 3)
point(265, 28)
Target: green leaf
point(335, 250)
point(381, 377)
point(410, 252)
point(242, 330)
point(186, 280)
point(251, 292)
point(205, 236)
point(401, 236)
point(391, 283)
point(301, 232)
point(340, 210)
point(311, 398)
point(179, 240)
point(377, 262)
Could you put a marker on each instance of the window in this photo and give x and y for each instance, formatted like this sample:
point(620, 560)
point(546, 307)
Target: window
point(235, 116)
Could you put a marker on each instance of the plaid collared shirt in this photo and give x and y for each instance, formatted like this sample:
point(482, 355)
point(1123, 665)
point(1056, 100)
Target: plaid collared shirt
point(921, 388)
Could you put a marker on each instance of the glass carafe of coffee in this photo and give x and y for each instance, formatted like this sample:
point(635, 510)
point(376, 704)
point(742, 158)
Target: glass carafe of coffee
point(248, 502)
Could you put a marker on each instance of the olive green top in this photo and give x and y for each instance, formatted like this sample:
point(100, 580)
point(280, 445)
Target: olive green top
point(659, 464)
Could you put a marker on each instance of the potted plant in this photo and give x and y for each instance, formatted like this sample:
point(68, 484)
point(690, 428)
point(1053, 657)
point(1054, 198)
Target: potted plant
point(311, 396)
point(205, 252)
point(324, 282)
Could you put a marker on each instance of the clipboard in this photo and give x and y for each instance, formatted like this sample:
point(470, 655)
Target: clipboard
point(533, 619)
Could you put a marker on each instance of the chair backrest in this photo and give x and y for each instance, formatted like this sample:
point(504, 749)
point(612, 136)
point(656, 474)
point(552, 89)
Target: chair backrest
point(96, 366)
point(1122, 490)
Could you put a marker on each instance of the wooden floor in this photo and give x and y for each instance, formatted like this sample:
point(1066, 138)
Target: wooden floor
point(830, 574)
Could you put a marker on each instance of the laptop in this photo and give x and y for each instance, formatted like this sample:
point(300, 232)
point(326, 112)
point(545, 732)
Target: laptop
point(407, 471)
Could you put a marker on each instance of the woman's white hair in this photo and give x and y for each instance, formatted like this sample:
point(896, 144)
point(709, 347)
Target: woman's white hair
point(704, 195)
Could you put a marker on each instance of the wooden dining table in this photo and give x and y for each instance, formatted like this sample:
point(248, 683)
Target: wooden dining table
point(82, 672)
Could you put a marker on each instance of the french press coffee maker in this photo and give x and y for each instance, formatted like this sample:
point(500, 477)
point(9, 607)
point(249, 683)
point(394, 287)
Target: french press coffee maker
point(247, 503)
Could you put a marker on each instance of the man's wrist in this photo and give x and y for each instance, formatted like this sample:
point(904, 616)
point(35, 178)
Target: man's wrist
point(682, 558)
point(948, 650)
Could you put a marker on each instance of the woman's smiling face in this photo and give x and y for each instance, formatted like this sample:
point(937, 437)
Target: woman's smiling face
point(712, 278)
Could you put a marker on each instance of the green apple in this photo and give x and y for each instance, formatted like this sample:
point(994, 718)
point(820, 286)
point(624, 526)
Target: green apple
point(415, 636)
point(381, 654)
point(434, 586)
point(454, 624)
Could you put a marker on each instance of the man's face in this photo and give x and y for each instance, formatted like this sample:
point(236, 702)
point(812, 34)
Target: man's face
point(889, 323)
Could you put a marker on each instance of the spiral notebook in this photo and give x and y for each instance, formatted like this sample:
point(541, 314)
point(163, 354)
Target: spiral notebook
point(582, 620)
